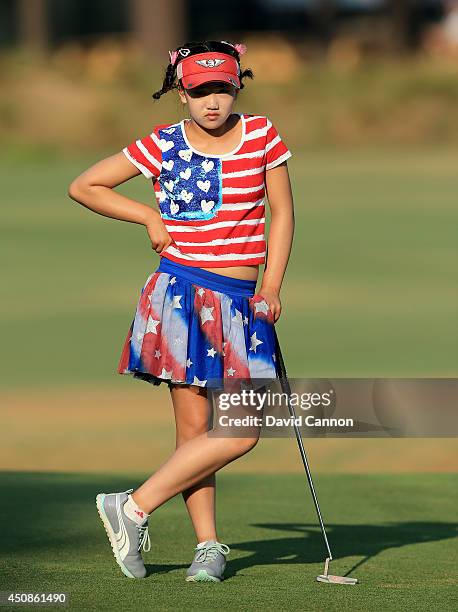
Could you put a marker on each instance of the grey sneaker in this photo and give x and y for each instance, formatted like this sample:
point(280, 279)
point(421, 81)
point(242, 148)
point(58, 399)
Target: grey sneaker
point(126, 537)
point(209, 562)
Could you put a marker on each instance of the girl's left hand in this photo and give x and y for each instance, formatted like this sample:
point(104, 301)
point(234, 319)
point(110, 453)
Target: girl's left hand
point(273, 299)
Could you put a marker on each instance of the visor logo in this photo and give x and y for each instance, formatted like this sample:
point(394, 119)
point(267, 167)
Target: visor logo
point(210, 63)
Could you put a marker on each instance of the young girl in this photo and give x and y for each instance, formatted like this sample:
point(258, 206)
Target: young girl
point(198, 318)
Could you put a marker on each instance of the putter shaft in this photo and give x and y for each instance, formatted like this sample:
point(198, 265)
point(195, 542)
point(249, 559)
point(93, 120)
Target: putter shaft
point(287, 389)
point(325, 577)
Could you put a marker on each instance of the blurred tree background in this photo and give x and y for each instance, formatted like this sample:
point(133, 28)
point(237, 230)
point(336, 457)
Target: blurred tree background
point(77, 75)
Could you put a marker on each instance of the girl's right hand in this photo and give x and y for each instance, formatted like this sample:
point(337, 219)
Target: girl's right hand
point(159, 236)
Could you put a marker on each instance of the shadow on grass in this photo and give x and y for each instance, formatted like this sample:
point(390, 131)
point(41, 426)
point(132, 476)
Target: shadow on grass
point(345, 540)
point(58, 518)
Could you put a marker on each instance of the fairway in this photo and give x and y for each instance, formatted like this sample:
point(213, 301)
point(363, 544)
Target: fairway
point(394, 532)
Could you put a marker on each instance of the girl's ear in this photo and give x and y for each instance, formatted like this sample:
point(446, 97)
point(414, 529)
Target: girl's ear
point(181, 93)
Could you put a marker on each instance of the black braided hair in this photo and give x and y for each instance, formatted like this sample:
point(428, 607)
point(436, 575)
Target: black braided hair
point(195, 47)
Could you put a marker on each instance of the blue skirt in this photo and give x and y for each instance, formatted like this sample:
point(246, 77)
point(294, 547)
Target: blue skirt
point(196, 327)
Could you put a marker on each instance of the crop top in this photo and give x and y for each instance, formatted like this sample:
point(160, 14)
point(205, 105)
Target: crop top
point(212, 205)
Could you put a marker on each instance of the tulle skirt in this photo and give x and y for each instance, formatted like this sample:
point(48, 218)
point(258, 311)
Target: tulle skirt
point(196, 327)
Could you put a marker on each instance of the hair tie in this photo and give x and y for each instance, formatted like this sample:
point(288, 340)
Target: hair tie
point(240, 48)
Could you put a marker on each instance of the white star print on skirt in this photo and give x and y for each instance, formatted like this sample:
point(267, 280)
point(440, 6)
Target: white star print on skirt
point(192, 326)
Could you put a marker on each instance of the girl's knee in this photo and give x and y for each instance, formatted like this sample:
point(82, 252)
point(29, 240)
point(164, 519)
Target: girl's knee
point(240, 446)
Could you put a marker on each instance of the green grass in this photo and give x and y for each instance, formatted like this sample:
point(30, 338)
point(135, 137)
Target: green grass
point(396, 534)
point(369, 290)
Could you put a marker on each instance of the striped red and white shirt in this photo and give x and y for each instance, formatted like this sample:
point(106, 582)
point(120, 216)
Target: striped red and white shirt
point(212, 205)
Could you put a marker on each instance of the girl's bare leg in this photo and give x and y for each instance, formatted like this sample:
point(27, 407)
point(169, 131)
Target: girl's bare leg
point(191, 462)
point(192, 414)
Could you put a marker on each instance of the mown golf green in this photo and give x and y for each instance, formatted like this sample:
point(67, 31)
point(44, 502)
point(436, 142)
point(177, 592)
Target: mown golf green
point(370, 291)
point(396, 534)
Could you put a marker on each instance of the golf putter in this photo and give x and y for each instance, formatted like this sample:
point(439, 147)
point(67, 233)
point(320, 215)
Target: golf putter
point(325, 577)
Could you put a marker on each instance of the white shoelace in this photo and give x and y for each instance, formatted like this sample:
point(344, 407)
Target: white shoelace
point(211, 551)
point(143, 534)
point(144, 538)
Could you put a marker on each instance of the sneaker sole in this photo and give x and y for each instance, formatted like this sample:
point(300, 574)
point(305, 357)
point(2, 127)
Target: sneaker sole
point(202, 576)
point(111, 535)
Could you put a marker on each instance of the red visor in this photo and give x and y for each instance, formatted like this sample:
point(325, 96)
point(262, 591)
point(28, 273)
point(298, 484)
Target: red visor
point(209, 66)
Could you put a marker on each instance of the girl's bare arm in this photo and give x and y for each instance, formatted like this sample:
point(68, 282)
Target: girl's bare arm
point(279, 193)
point(94, 190)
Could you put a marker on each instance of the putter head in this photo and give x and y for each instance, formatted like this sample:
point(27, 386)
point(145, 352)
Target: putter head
point(336, 579)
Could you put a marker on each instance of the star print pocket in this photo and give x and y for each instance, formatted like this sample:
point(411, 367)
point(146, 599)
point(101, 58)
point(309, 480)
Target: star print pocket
point(260, 308)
